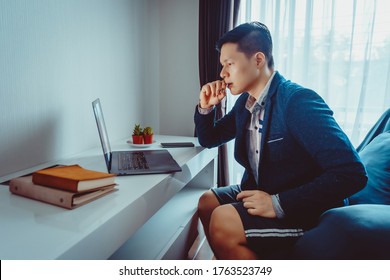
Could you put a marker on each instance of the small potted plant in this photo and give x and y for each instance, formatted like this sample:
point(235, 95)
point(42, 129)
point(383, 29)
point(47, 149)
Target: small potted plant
point(138, 137)
point(148, 135)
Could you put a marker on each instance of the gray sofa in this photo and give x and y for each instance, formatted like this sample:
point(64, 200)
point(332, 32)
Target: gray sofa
point(360, 230)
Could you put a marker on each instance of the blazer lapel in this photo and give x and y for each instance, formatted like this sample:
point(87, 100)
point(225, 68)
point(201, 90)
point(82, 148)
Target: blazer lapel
point(268, 111)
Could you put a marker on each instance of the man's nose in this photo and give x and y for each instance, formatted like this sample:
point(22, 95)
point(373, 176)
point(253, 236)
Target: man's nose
point(223, 73)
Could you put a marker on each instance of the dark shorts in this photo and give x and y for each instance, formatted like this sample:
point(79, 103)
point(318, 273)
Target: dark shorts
point(267, 237)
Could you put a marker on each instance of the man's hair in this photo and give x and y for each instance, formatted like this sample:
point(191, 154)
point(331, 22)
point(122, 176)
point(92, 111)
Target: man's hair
point(251, 37)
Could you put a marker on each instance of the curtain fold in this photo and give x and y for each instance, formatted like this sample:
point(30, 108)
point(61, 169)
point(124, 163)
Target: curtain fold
point(216, 17)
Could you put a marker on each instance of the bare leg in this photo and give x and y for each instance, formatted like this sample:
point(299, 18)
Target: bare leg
point(207, 203)
point(227, 236)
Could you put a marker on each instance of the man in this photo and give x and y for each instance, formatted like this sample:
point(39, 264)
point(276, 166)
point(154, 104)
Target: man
point(298, 162)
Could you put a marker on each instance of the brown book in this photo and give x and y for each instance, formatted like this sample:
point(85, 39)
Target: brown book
point(72, 178)
point(24, 186)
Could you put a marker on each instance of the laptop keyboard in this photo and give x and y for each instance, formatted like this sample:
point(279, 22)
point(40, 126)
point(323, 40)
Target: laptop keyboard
point(132, 161)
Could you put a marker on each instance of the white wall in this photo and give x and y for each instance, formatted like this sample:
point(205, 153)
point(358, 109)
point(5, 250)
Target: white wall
point(171, 77)
point(56, 57)
point(179, 71)
point(140, 57)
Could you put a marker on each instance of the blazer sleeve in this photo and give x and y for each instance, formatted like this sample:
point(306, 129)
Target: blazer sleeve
point(311, 123)
point(212, 133)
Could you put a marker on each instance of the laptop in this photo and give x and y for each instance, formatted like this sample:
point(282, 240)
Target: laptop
point(132, 162)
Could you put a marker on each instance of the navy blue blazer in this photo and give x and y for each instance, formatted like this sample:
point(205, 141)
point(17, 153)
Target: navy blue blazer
point(305, 157)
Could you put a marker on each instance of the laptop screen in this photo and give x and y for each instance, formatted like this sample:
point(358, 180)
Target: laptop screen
point(97, 110)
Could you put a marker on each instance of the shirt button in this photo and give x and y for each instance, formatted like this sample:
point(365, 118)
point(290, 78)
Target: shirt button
point(257, 151)
point(256, 127)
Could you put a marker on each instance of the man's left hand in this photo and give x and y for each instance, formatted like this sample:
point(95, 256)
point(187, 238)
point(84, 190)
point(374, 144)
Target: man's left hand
point(258, 203)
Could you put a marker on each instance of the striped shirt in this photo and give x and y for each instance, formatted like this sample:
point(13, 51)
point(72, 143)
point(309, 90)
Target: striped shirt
point(254, 134)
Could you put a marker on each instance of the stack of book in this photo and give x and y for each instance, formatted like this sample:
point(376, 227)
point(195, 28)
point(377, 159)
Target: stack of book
point(65, 186)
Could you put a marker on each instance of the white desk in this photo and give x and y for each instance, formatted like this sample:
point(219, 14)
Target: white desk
point(152, 216)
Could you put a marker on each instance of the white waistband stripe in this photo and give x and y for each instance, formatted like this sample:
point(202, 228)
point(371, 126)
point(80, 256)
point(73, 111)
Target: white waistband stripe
point(274, 232)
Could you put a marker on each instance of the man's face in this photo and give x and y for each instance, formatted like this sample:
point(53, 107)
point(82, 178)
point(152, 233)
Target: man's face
point(239, 72)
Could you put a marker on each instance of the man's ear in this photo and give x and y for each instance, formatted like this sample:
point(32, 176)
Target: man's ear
point(260, 59)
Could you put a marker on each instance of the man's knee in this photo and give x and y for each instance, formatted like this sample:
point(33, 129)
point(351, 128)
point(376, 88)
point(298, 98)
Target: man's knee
point(207, 203)
point(226, 227)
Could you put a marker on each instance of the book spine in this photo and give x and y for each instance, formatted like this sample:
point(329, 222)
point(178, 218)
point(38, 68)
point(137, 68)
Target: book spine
point(41, 193)
point(55, 182)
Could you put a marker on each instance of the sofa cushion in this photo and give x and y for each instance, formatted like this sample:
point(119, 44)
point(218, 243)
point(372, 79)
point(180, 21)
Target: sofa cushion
point(350, 232)
point(376, 157)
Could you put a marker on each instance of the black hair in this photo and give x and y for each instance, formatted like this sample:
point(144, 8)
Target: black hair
point(251, 37)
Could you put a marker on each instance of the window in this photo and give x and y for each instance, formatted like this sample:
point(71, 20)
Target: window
point(340, 49)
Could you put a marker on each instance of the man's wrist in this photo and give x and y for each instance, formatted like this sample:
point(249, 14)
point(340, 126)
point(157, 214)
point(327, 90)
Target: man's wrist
point(277, 207)
point(204, 111)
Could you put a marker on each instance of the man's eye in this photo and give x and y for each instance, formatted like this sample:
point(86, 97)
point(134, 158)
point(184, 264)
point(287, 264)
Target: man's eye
point(227, 64)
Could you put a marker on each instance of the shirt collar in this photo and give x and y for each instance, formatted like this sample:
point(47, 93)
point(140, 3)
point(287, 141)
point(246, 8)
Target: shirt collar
point(251, 101)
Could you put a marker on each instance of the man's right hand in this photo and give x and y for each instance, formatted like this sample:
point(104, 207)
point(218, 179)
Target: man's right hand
point(211, 94)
